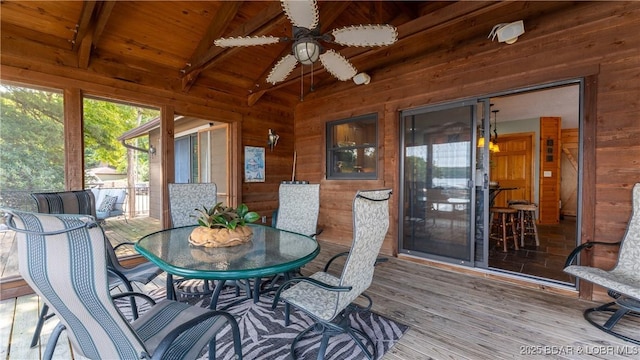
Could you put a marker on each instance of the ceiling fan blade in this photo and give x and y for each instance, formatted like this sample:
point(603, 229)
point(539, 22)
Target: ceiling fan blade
point(246, 41)
point(282, 69)
point(301, 13)
point(337, 65)
point(365, 35)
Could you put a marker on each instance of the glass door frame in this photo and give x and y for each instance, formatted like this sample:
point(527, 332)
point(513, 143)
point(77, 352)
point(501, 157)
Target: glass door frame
point(481, 182)
point(473, 104)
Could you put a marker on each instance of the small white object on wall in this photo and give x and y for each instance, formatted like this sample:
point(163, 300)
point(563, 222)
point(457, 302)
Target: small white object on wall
point(507, 32)
point(362, 79)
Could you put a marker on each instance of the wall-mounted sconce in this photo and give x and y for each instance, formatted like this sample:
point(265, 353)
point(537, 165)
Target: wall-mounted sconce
point(362, 79)
point(272, 139)
point(152, 150)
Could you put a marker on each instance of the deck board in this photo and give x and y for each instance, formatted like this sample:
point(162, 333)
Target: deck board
point(26, 310)
point(451, 316)
point(8, 248)
point(7, 310)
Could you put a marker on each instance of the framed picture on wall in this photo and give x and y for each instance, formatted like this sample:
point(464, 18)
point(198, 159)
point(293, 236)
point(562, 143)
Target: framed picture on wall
point(253, 164)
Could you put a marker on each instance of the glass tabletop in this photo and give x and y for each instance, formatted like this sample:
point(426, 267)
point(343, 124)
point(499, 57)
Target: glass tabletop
point(269, 252)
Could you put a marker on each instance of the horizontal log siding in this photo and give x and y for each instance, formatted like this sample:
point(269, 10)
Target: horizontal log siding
point(598, 39)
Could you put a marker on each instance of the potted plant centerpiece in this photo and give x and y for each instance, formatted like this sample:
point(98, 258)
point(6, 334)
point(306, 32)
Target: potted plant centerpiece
point(223, 226)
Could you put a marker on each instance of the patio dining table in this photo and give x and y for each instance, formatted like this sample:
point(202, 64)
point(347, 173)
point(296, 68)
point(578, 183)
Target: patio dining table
point(269, 252)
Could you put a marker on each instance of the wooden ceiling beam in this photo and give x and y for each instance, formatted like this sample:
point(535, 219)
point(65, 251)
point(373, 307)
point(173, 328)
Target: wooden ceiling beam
point(224, 16)
point(104, 12)
point(84, 24)
point(267, 20)
point(90, 34)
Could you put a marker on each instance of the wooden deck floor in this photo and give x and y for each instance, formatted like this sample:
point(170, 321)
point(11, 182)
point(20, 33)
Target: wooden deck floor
point(451, 316)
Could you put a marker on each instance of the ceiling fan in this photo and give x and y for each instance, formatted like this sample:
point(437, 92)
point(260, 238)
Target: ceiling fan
point(306, 48)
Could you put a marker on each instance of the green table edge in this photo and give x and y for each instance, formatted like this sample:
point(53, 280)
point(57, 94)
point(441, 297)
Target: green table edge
point(226, 274)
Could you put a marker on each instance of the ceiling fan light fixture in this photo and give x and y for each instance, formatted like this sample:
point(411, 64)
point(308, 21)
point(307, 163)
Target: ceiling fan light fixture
point(307, 43)
point(306, 51)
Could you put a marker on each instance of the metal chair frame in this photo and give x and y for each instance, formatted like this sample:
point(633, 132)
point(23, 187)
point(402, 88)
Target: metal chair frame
point(49, 203)
point(371, 222)
point(98, 328)
point(622, 282)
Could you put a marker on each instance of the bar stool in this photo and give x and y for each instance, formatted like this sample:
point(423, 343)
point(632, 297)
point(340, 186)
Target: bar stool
point(527, 221)
point(505, 218)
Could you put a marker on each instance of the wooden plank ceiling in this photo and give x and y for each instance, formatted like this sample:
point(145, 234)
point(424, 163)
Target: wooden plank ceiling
point(169, 44)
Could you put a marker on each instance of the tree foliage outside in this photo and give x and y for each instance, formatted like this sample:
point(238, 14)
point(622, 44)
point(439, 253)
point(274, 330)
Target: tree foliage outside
point(32, 137)
point(104, 122)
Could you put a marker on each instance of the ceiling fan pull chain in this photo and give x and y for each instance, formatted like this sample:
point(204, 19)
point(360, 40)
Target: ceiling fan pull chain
point(311, 86)
point(301, 82)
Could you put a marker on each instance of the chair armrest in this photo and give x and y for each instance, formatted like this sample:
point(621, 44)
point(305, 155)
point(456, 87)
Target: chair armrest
point(124, 243)
point(125, 281)
point(587, 245)
point(132, 295)
point(318, 232)
point(326, 267)
point(166, 342)
point(379, 260)
point(309, 280)
point(145, 297)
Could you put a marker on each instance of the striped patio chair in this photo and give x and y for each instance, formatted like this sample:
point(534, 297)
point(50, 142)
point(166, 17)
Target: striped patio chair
point(326, 298)
point(63, 258)
point(83, 202)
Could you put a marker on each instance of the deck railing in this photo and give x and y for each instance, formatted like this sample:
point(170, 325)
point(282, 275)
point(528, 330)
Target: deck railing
point(22, 200)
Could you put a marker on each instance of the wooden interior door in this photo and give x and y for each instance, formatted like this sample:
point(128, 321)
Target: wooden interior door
point(549, 204)
point(512, 167)
point(570, 153)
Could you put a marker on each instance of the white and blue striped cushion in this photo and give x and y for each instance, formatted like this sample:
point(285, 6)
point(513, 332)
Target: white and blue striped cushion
point(68, 270)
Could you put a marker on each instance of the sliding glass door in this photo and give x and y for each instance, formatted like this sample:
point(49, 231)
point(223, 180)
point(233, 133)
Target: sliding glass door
point(438, 170)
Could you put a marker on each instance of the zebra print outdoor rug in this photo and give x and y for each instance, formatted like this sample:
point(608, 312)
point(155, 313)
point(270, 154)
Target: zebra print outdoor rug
point(265, 337)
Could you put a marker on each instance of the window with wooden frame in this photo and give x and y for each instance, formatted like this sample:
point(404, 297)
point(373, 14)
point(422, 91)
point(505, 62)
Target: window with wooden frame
point(352, 148)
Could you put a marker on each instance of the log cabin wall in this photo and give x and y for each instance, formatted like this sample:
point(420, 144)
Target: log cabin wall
point(596, 41)
point(200, 102)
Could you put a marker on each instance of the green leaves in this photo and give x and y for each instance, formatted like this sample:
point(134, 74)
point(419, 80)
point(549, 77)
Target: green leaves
point(226, 217)
point(247, 216)
point(32, 137)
